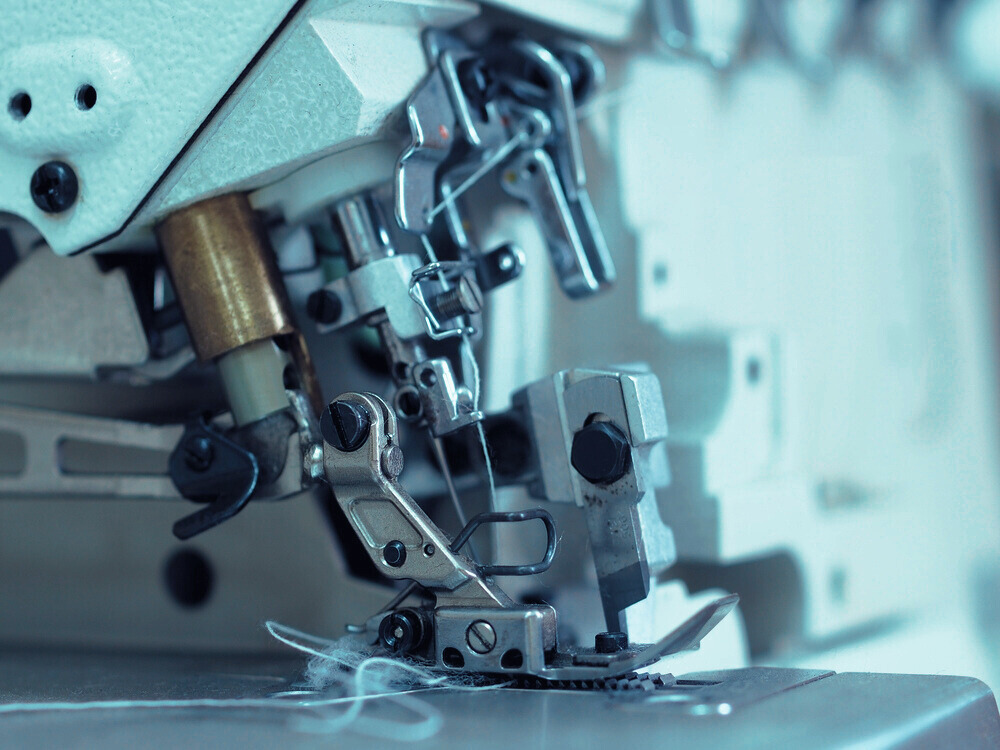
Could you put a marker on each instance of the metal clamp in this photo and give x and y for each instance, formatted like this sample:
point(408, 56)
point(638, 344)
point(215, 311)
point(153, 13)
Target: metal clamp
point(375, 287)
point(443, 272)
point(208, 467)
point(445, 404)
point(512, 517)
point(597, 437)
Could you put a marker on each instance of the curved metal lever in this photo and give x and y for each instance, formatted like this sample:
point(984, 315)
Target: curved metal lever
point(512, 517)
point(207, 467)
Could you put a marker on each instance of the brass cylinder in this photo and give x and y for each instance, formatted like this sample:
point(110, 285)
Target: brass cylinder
point(224, 274)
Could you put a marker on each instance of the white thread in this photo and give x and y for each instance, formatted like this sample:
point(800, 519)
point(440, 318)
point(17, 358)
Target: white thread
point(498, 156)
point(606, 100)
point(470, 358)
point(354, 669)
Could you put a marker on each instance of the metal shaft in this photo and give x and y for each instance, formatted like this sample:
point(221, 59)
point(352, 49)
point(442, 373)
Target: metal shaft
point(233, 298)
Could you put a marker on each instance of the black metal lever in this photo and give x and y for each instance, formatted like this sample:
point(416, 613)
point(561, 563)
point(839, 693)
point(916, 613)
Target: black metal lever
point(207, 467)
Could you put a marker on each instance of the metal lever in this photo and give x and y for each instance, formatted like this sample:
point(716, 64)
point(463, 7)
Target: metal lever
point(512, 517)
point(576, 243)
point(207, 467)
point(556, 98)
point(514, 105)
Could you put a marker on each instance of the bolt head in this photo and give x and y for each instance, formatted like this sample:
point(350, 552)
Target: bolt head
point(345, 425)
point(392, 461)
point(610, 643)
point(324, 306)
point(470, 296)
point(600, 453)
point(198, 454)
point(400, 632)
point(481, 637)
point(54, 187)
point(394, 554)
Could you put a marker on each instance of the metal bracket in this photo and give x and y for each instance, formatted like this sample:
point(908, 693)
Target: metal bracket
point(569, 224)
point(382, 285)
point(387, 519)
point(208, 467)
point(628, 539)
point(446, 405)
point(44, 436)
point(439, 273)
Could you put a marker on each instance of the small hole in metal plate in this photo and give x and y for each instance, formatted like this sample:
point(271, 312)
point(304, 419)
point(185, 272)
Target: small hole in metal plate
point(19, 105)
point(512, 659)
point(86, 97)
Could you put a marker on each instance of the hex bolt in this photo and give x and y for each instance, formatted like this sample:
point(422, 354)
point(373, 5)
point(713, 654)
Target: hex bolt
point(610, 643)
point(324, 306)
point(198, 454)
point(394, 554)
point(465, 298)
point(54, 187)
point(345, 425)
point(481, 637)
point(600, 453)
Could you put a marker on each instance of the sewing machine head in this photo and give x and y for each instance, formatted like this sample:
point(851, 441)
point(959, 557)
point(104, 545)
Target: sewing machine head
point(437, 277)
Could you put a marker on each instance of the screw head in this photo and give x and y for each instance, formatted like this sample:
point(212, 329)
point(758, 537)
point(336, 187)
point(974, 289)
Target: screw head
point(600, 453)
point(392, 461)
point(610, 643)
point(345, 425)
point(394, 554)
point(481, 637)
point(54, 187)
point(469, 295)
point(198, 454)
point(400, 632)
point(324, 306)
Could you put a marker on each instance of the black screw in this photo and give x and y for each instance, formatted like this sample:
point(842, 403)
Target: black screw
point(198, 454)
point(401, 632)
point(465, 298)
point(479, 81)
point(394, 554)
point(610, 643)
point(324, 306)
point(54, 187)
point(600, 453)
point(345, 425)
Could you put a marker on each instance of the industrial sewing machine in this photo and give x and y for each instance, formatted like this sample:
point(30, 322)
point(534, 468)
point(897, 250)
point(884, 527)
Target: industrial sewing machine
point(282, 251)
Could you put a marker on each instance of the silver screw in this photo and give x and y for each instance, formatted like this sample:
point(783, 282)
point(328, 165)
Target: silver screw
point(481, 637)
point(465, 298)
point(392, 461)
